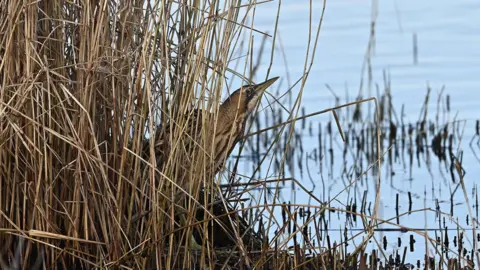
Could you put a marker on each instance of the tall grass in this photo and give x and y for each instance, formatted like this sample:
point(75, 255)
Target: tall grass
point(83, 83)
point(91, 89)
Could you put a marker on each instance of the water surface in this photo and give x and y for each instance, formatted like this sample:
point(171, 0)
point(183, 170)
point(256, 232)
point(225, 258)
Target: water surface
point(447, 41)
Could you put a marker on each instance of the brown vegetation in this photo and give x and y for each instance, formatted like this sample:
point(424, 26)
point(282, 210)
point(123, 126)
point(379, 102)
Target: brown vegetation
point(87, 84)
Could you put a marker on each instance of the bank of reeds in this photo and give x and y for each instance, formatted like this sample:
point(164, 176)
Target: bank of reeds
point(83, 84)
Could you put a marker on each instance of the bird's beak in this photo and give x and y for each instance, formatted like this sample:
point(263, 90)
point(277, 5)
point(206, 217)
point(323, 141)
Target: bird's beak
point(263, 86)
point(259, 89)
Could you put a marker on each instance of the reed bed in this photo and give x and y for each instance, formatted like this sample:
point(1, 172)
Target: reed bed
point(84, 84)
point(87, 84)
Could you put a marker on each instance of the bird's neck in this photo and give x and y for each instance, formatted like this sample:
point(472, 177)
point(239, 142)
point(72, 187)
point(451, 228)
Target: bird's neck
point(229, 130)
point(231, 119)
point(231, 111)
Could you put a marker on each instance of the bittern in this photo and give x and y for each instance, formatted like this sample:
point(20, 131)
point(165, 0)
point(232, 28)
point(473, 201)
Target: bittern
point(210, 137)
point(227, 130)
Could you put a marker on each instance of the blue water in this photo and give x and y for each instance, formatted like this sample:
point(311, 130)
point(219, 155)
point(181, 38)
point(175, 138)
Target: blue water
point(448, 38)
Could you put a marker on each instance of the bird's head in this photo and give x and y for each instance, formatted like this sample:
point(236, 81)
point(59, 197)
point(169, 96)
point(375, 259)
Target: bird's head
point(244, 100)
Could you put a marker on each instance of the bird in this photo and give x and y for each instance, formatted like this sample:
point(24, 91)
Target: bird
point(227, 129)
point(197, 147)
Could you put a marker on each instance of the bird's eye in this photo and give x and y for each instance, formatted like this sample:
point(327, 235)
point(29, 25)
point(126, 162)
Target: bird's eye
point(250, 92)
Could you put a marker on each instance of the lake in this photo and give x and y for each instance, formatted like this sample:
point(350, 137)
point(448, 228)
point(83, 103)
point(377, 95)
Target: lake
point(418, 45)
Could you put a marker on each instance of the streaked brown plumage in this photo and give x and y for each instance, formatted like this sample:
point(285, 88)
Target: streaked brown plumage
point(228, 131)
point(187, 153)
